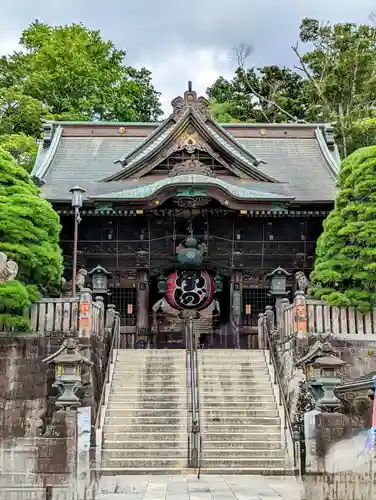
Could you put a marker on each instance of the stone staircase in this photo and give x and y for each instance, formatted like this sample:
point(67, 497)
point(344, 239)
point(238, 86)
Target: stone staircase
point(145, 429)
point(240, 421)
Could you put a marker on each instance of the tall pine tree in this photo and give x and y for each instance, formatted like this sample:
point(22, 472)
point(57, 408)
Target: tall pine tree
point(29, 234)
point(345, 269)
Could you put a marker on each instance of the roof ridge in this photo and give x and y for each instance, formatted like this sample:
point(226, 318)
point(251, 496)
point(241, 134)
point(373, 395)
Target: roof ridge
point(40, 169)
point(333, 165)
point(233, 139)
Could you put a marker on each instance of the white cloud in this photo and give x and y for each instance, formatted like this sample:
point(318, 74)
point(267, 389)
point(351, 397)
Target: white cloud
point(8, 44)
point(201, 66)
point(185, 41)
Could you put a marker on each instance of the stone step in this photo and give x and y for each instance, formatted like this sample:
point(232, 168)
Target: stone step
point(207, 357)
point(230, 398)
point(241, 463)
point(124, 471)
point(234, 378)
point(138, 427)
point(238, 428)
point(144, 463)
point(20, 479)
point(114, 434)
point(126, 405)
point(247, 471)
point(146, 453)
point(145, 413)
point(247, 445)
point(146, 386)
point(240, 389)
point(227, 376)
point(243, 453)
point(249, 386)
point(130, 419)
point(147, 383)
point(146, 444)
point(254, 433)
point(124, 389)
point(223, 406)
point(239, 397)
point(234, 413)
point(239, 421)
point(140, 371)
point(243, 367)
point(167, 355)
point(122, 397)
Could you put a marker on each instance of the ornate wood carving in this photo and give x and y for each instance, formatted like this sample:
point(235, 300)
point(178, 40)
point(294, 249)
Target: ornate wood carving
point(190, 99)
point(192, 202)
point(191, 167)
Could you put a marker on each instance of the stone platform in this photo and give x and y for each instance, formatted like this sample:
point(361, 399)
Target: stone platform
point(208, 487)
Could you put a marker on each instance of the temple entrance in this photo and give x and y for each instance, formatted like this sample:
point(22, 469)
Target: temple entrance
point(213, 327)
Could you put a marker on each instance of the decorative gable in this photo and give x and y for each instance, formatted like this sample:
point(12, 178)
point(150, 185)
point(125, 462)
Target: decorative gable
point(190, 139)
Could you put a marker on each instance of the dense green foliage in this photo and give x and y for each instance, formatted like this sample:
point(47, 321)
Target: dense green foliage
point(70, 73)
point(333, 81)
point(29, 234)
point(269, 94)
point(345, 269)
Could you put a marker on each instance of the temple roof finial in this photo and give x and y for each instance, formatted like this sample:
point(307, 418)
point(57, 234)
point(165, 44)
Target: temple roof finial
point(190, 100)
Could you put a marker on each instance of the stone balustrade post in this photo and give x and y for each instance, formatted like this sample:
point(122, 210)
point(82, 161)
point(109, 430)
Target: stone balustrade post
point(282, 326)
point(85, 322)
point(100, 302)
point(109, 320)
point(270, 317)
point(260, 331)
point(300, 314)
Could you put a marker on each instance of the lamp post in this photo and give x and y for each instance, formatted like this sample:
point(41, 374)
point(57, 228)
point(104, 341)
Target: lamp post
point(77, 200)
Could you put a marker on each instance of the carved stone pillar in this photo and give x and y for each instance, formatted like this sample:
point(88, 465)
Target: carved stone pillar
point(142, 303)
point(236, 295)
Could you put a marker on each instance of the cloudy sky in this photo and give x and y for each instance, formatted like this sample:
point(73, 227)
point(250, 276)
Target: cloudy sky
point(185, 40)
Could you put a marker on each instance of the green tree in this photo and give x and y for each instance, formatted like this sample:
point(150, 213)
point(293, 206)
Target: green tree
point(345, 268)
point(73, 71)
point(22, 147)
point(339, 67)
point(29, 234)
point(268, 94)
point(21, 113)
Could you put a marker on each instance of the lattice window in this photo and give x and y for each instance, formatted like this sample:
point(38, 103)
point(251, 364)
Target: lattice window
point(254, 302)
point(125, 302)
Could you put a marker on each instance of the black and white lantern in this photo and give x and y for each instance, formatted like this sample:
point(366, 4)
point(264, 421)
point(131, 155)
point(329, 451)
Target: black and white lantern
point(99, 277)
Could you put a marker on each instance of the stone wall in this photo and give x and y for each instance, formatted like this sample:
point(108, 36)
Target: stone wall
point(38, 443)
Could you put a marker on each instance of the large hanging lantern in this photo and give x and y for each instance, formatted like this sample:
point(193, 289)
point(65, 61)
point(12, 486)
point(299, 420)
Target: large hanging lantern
point(190, 289)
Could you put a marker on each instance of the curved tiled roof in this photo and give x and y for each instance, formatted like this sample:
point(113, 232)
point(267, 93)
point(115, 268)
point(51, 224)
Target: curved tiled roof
point(148, 190)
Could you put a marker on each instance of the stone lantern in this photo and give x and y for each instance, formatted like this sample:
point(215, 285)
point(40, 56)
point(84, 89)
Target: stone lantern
point(327, 376)
point(68, 363)
point(99, 276)
point(278, 282)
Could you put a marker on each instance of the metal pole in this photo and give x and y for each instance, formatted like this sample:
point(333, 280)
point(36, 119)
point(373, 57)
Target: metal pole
point(75, 246)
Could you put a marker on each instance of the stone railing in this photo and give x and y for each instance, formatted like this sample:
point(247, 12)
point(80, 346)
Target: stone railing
point(54, 315)
point(68, 315)
point(306, 316)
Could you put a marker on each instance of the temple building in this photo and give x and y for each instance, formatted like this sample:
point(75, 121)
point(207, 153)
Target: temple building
point(190, 213)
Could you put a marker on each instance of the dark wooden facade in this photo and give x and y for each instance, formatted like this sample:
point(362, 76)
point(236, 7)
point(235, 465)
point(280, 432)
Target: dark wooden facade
point(252, 244)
